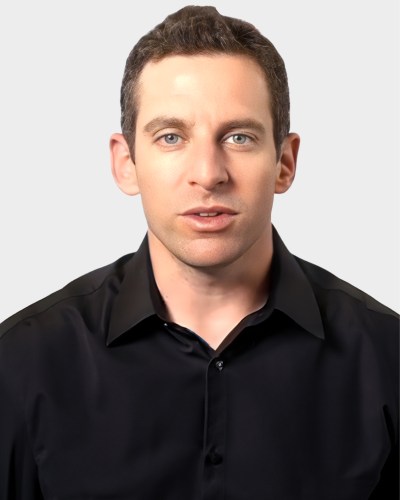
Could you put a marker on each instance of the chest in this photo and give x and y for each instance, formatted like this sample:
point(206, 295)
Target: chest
point(262, 423)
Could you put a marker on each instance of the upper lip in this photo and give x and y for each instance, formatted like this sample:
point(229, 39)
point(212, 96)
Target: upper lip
point(210, 210)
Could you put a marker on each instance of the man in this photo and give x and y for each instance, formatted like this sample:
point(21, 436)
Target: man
point(212, 363)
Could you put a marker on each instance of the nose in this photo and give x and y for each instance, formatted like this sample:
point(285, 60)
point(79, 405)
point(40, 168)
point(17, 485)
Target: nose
point(207, 166)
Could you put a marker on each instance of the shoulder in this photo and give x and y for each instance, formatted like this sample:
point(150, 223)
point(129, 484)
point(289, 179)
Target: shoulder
point(327, 284)
point(57, 336)
point(87, 288)
point(350, 313)
point(357, 327)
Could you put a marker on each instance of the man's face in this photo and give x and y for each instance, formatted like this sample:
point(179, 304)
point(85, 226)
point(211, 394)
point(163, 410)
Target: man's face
point(205, 160)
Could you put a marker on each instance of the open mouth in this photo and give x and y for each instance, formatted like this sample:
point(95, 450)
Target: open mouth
point(214, 220)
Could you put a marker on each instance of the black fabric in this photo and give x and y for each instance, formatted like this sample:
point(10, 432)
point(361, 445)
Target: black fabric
point(101, 398)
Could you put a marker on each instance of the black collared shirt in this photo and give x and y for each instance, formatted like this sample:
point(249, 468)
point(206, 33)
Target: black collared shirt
point(101, 398)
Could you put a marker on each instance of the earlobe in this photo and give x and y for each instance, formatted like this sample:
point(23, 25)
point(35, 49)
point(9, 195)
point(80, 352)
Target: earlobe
point(287, 163)
point(122, 165)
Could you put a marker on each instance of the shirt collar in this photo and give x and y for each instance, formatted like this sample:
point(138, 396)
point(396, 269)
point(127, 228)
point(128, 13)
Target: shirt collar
point(291, 290)
point(134, 301)
point(138, 297)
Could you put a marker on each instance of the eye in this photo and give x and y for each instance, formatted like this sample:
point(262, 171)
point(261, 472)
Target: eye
point(170, 139)
point(239, 139)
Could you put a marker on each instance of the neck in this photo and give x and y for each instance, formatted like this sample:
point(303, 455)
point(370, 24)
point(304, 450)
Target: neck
point(212, 301)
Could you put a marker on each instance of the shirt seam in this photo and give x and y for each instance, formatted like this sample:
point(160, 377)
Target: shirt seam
point(363, 299)
point(386, 312)
point(38, 313)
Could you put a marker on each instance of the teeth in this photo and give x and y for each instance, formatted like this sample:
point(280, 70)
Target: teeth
point(208, 214)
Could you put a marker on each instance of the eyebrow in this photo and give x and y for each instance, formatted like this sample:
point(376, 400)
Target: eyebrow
point(247, 123)
point(161, 122)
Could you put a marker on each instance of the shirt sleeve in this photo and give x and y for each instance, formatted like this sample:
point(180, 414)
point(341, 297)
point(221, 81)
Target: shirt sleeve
point(18, 470)
point(388, 486)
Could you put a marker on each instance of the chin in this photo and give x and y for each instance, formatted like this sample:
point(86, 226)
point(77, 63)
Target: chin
point(208, 256)
point(206, 264)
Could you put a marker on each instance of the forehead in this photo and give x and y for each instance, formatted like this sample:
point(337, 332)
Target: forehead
point(213, 83)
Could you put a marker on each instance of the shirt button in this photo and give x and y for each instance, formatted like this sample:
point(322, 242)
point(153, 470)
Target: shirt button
point(214, 457)
point(219, 365)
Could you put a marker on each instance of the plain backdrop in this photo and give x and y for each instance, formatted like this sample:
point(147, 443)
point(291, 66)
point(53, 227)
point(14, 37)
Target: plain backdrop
point(61, 214)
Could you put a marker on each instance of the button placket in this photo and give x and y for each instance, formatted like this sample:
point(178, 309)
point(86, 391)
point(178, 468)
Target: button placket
point(214, 436)
point(214, 457)
point(219, 365)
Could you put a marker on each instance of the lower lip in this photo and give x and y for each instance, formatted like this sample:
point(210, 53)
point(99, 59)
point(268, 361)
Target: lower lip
point(209, 224)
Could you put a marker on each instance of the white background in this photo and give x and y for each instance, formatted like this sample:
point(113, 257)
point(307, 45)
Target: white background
point(61, 214)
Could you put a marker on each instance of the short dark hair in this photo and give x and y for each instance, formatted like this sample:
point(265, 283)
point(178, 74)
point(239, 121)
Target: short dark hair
point(203, 30)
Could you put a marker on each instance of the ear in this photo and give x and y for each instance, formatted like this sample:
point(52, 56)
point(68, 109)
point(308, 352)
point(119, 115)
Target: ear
point(122, 165)
point(287, 163)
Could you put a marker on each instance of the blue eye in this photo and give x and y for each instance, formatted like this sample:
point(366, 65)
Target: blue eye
point(239, 139)
point(171, 138)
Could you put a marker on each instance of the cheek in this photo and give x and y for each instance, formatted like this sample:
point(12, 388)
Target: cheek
point(258, 183)
point(156, 171)
point(262, 201)
point(157, 198)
